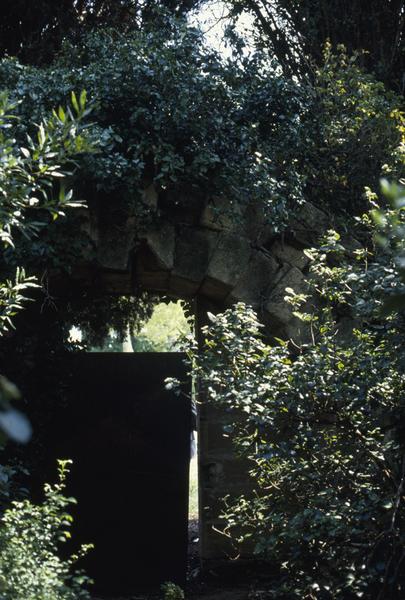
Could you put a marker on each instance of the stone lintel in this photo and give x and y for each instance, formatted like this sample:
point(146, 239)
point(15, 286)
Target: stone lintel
point(154, 281)
point(116, 283)
point(182, 287)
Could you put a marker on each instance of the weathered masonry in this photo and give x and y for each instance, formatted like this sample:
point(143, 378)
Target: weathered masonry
point(216, 258)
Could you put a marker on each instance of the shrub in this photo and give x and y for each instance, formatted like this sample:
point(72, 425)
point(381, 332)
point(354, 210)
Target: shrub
point(323, 430)
point(171, 591)
point(30, 535)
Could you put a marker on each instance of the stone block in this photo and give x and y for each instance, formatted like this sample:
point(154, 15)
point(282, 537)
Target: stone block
point(230, 259)
point(288, 254)
point(184, 203)
point(148, 273)
point(150, 196)
point(161, 242)
point(193, 251)
point(221, 214)
point(309, 223)
point(258, 276)
point(113, 255)
point(255, 223)
point(276, 308)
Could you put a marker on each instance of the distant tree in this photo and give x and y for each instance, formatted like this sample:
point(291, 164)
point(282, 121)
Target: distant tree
point(34, 31)
point(297, 30)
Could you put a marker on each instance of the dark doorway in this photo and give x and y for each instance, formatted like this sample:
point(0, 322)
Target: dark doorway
point(129, 438)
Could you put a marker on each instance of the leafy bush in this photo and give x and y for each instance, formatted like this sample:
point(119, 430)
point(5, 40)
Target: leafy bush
point(33, 171)
point(323, 429)
point(164, 330)
point(171, 591)
point(353, 134)
point(180, 118)
point(30, 535)
point(391, 234)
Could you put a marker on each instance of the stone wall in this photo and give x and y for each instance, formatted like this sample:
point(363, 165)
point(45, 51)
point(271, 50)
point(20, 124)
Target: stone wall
point(208, 253)
point(217, 257)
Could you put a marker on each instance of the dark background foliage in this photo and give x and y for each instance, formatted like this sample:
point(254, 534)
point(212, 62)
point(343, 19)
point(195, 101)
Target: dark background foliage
point(299, 119)
point(34, 31)
point(296, 32)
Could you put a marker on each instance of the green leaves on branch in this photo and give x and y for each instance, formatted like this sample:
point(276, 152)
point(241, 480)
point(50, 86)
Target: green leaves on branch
point(171, 112)
point(322, 427)
point(32, 182)
point(30, 175)
point(390, 235)
point(30, 537)
point(12, 298)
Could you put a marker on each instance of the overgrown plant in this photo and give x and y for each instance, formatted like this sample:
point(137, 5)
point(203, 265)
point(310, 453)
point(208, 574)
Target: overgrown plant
point(33, 192)
point(354, 130)
point(390, 234)
point(322, 425)
point(30, 536)
point(171, 591)
point(198, 125)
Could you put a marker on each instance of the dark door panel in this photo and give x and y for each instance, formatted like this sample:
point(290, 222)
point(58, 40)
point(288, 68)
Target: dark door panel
point(129, 439)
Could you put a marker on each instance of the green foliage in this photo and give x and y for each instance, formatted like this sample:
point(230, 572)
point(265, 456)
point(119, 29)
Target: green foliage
point(353, 134)
point(31, 175)
point(171, 112)
point(322, 427)
point(296, 32)
point(30, 536)
point(12, 298)
point(391, 236)
point(35, 32)
point(164, 330)
point(158, 327)
point(97, 316)
point(196, 126)
point(192, 124)
point(171, 591)
point(32, 182)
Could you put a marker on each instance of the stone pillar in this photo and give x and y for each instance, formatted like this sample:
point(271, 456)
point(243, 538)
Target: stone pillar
point(220, 472)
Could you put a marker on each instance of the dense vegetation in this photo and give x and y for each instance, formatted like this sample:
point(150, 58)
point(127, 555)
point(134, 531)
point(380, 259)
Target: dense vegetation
point(30, 536)
point(236, 129)
point(35, 33)
point(311, 113)
point(30, 199)
point(33, 193)
point(322, 426)
point(297, 31)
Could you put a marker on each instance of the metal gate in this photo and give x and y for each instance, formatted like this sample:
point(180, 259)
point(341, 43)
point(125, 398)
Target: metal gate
point(129, 439)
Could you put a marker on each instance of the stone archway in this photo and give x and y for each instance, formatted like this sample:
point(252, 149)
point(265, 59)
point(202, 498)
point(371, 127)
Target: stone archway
point(206, 252)
point(216, 258)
